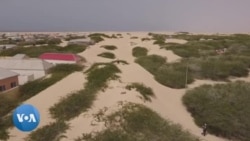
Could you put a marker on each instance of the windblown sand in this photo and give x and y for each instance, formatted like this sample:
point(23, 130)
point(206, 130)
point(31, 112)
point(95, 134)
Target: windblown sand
point(167, 101)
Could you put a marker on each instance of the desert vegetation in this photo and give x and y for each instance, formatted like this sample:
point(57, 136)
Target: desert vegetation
point(224, 107)
point(73, 37)
point(97, 78)
point(134, 122)
point(29, 90)
point(213, 57)
point(108, 55)
point(145, 39)
point(139, 51)
point(76, 103)
point(37, 51)
point(146, 92)
point(98, 37)
point(169, 74)
point(51, 132)
point(109, 47)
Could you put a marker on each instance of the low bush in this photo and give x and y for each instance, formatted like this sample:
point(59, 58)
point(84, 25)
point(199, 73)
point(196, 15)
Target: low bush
point(107, 55)
point(109, 47)
point(98, 37)
point(224, 107)
point(151, 62)
point(6, 105)
point(139, 51)
point(174, 75)
point(30, 89)
point(99, 75)
point(5, 123)
point(145, 91)
point(72, 105)
point(145, 39)
point(37, 51)
point(76, 103)
point(221, 68)
point(134, 122)
point(50, 132)
point(72, 49)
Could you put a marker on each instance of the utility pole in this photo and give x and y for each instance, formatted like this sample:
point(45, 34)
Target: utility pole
point(186, 75)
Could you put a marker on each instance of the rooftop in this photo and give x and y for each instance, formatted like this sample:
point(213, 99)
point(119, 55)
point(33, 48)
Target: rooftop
point(24, 64)
point(59, 56)
point(4, 73)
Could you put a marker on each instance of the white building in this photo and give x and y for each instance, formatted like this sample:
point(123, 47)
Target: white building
point(28, 69)
point(86, 41)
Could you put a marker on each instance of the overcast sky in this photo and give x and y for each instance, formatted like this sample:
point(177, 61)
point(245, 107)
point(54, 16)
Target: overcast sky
point(125, 15)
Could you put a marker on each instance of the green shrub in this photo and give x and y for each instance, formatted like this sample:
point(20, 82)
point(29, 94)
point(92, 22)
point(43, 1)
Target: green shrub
point(145, 91)
point(54, 41)
point(37, 51)
point(72, 49)
point(138, 123)
point(72, 105)
point(134, 37)
point(139, 51)
point(98, 37)
point(145, 39)
point(109, 47)
point(98, 77)
point(78, 102)
point(6, 105)
point(5, 123)
point(159, 42)
point(224, 107)
point(174, 75)
point(221, 68)
point(50, 132)
point(73, 37)
point(151, 62)
point(107, 55)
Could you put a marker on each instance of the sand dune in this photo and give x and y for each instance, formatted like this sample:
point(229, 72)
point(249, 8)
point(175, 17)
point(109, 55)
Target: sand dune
point(167, 101)
point(47, 98)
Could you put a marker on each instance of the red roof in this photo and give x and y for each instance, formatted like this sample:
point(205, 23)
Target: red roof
point(59, 56)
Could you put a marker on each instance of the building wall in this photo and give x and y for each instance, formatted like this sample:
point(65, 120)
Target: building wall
point(54, 62)
point(22, 79)
point(37, 73)
point(7, 82)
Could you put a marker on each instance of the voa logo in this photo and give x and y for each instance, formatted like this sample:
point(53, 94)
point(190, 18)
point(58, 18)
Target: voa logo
point(29, 118)
point(26, 117)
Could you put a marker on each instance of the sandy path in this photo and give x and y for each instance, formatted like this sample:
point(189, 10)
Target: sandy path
point(63, 43)
point(167, 102)
point(85, 123)
point(47, 98)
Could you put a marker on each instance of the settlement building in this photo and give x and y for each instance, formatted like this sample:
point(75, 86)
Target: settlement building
point(8, 80)
point(86, 42)
point(28, 69)
point(60, 58)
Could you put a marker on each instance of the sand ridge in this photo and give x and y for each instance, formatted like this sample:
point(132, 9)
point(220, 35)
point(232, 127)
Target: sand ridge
point(167, 101)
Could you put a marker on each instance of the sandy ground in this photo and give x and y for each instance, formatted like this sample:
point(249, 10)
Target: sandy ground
point(63, 43)
point(167, 102)
point(47, 98)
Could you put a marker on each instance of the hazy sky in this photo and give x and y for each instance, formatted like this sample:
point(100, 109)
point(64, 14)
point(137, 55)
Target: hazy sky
point(125, 15)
